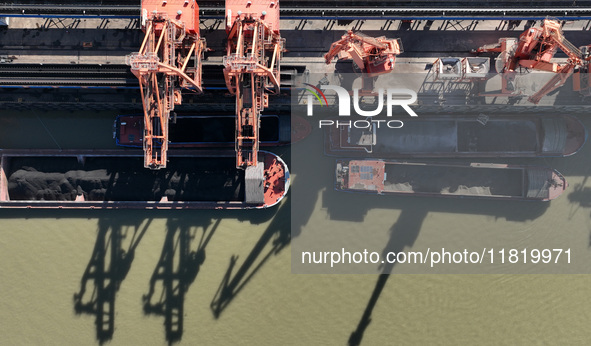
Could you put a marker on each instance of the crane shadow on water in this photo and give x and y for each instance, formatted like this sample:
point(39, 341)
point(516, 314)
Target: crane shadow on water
point(275, 238)
point(183, 253)
point(108, 266)
point(176, 270)
point(580, 197)
point(354, 207)
point(403, 233)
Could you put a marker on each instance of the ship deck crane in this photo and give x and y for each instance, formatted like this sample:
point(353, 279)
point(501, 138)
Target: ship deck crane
point(534, 50)
point(251, 68)
point(372, 55)
point(169, 60)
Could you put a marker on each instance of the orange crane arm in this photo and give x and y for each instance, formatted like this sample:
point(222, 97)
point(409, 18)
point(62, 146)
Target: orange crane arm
point(251, 68)
point(556, 82)
point(555, 39)
point(372, 55)
point(168, 60)
point(534, 50)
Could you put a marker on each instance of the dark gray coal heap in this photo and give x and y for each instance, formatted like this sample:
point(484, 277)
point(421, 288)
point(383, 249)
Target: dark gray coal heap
point(124, 179)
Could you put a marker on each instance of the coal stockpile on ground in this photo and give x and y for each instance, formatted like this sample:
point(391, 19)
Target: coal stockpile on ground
point(124, 179)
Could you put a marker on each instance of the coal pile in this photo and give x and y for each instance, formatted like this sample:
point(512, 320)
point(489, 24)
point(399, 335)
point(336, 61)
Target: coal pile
point(124, 179)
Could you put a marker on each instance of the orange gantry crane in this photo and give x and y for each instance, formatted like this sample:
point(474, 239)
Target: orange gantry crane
point(373, 55)
point(169, 60)
point(534, 50)
point(251, 68)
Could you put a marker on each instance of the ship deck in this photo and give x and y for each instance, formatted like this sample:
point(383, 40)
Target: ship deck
point(454, 180)
point(463, 137)
point(119, 179)
point(111, 179)
point(476, 180)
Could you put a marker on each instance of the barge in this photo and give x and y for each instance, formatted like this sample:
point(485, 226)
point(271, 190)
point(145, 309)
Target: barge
point(477, 180)
point(499, 136)
point(114, 179)
point(211, 131)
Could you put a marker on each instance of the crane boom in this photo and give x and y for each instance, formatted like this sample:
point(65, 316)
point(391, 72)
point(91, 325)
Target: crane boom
point(169, 60)
point(251, 68)
point(554, 83)
point(534, 50)
point(373, 55)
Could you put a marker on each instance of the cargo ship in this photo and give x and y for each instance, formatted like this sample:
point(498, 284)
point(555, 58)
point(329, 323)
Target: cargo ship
point(201, 131)
point(114, 179)
point(499, 136)
point(476, 180)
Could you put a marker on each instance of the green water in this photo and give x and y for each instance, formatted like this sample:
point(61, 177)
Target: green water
point(44, 255)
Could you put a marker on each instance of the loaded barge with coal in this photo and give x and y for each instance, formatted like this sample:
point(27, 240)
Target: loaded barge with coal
point(478, 136)
point(476, 180)
point(114, 179)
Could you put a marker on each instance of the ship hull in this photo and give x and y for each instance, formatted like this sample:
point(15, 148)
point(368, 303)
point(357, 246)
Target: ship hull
point(499, 136)
point(115, 179)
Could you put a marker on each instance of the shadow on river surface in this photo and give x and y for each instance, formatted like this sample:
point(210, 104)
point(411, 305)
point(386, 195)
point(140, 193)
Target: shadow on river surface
point(403, 233)
point(176, 270)
point(187, 235)
point(108, 266)
point(278, 235)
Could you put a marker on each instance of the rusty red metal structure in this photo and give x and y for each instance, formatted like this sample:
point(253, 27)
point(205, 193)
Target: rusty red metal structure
point(373, 55)
point(534, 50)
point(251, 68)
point(169, 60)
